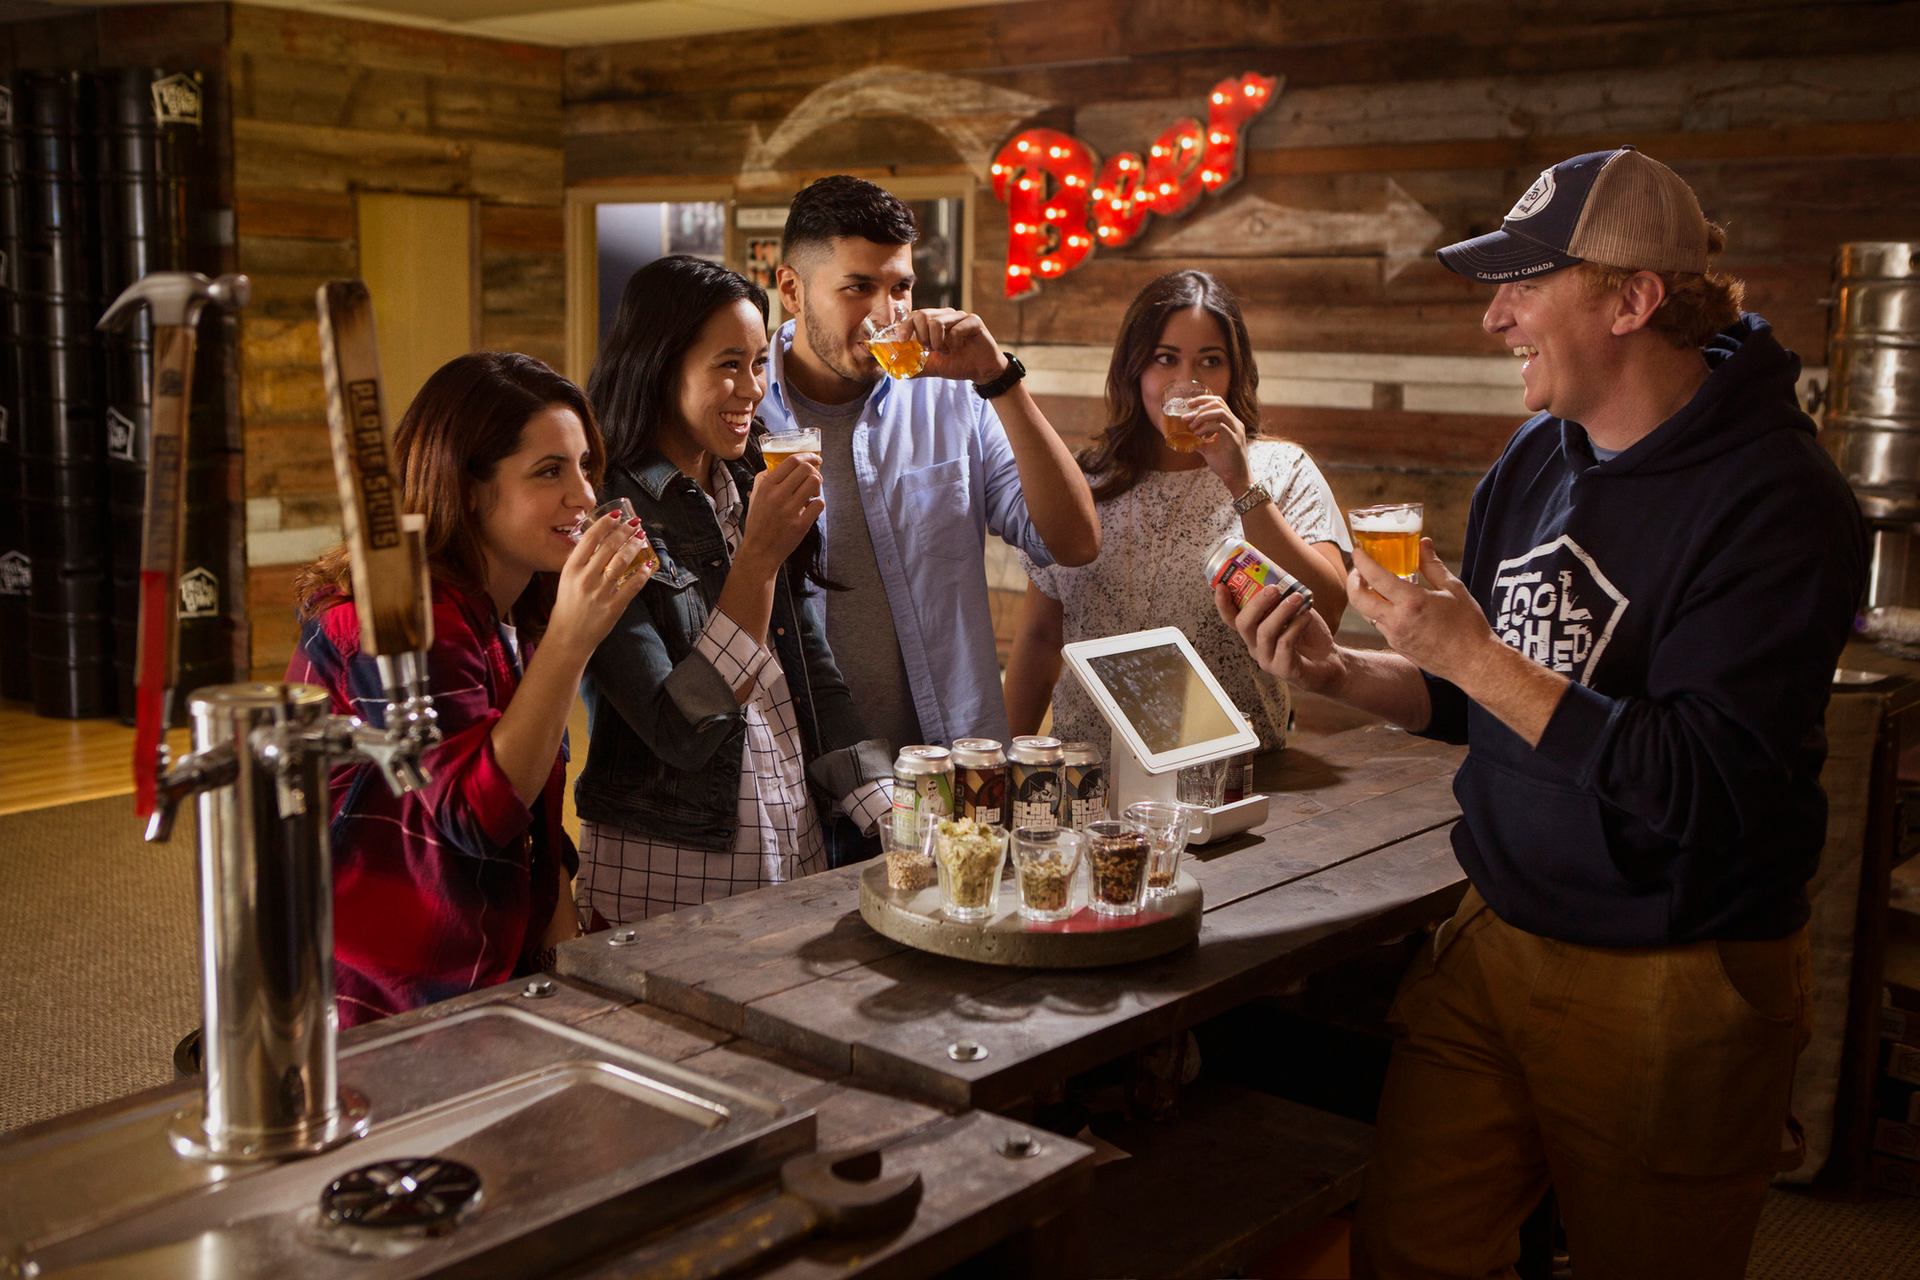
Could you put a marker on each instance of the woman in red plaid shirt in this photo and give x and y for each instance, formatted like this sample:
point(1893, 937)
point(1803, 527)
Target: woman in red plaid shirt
point(465, 883)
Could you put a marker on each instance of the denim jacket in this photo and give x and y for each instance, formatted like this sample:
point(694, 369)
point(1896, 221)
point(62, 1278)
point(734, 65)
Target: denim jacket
point(666, 733)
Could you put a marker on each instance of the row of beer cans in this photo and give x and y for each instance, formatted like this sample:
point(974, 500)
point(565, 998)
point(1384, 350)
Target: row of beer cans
point(1036, 782)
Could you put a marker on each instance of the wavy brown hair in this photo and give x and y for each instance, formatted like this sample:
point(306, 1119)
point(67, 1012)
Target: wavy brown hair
point(1127, 449)
point(1698, 304)
point(468, 417)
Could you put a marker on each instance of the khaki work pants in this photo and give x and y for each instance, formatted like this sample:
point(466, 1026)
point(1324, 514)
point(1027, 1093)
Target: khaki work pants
point(1648, 1086)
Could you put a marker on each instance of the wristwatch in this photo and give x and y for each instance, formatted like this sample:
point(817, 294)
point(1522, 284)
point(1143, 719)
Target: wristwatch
point(1253, 497)
point(1004, 383)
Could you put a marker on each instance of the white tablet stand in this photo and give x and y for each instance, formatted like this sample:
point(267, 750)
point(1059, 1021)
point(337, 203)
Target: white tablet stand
point(1166, 711)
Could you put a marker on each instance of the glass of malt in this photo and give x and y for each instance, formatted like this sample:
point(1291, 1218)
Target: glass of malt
point(777, 448)
point(635, 552)
point(1390, 533)
point(895, 348)
point(1177, 410)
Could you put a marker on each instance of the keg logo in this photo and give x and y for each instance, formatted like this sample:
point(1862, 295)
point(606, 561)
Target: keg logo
point(5, 419)
point(176, 100)
point(6, 107)
point(199, 594)
point(16, 574)
point(119, 435)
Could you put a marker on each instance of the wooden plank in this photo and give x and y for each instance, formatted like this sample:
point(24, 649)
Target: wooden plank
point(1234, 1174)
point(261, 212)
point(388, 47)
point(522, 229)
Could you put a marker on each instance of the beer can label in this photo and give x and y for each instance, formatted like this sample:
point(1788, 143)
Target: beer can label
point(1246, 571)
point(1036, 796)
point(916, 799)
point(982, 794)
point(1084, 797)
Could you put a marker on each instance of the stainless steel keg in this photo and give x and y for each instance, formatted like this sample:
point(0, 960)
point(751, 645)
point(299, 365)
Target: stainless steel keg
point(1873, 406)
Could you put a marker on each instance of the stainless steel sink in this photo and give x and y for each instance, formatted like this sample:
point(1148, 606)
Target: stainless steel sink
point(579, 1144)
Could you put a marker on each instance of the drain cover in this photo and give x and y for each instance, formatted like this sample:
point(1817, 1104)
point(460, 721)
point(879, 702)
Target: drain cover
point(420, 1194)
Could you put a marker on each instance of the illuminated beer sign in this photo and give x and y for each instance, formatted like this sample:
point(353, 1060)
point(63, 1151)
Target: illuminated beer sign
point(1063, 202)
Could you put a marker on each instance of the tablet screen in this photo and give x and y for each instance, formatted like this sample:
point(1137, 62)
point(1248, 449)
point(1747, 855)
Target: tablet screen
point(1164, 698)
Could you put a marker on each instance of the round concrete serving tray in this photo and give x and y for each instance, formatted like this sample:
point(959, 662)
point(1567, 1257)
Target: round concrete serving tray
point(1083, 940)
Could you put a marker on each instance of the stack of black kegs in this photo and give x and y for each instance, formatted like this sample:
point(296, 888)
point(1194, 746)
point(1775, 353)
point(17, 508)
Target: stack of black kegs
point(62, 436)
point(109, 183)
point(155, 174)
point(16, 569)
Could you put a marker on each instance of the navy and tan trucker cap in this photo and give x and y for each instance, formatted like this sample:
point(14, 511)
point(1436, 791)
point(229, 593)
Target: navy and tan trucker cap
point(1620, 208)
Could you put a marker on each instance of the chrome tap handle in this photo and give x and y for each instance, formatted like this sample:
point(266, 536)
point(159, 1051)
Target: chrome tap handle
point(201, 771)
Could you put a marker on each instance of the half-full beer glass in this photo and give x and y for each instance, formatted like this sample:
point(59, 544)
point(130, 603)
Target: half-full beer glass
point(777, 448)
point(1390, 533)
point(895, 348)
point(1177, 410)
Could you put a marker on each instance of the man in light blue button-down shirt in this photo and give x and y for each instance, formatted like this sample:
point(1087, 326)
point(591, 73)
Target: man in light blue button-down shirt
point(934, 462)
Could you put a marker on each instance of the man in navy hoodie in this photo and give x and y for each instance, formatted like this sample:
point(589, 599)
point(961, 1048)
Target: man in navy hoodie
point(1659, 574)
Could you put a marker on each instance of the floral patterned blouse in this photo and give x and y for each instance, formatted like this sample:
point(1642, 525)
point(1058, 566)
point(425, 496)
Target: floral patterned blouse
point(1154, 541)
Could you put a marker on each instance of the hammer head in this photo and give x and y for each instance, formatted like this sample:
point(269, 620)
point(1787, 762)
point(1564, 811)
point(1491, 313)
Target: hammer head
point(847, 1192)
point(175, 297)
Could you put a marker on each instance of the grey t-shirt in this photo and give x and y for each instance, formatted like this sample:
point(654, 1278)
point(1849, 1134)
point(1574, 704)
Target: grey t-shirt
point(859, 620)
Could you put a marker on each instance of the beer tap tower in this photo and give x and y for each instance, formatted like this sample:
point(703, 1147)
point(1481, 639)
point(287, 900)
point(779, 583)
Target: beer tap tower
point(261, 752)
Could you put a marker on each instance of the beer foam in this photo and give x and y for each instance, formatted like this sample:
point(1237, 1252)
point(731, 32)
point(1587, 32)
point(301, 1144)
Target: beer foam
point(1384, 521)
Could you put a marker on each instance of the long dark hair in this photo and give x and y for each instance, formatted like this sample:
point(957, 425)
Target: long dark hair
point(1127, 448)
point(469, 416)
point(636, 381)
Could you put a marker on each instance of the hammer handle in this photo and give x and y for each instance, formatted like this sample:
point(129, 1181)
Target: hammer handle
point(388, 566)
point(157, 660)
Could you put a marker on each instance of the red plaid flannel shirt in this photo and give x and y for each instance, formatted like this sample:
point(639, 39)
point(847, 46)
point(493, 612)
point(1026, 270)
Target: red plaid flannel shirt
point(450, 888)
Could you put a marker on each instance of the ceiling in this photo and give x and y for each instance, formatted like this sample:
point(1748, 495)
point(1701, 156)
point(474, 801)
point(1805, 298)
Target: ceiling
point(570, 22)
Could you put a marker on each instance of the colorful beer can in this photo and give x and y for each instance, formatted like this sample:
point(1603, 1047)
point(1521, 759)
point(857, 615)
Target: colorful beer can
point(1083, 785)
point(922, 791)
point(1239, 566)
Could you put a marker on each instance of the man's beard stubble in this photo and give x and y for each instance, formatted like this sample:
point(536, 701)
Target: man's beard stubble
point(837, 359)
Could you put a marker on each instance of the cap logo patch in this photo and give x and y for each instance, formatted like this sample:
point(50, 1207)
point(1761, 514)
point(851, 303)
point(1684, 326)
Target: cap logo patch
point(1538, 197)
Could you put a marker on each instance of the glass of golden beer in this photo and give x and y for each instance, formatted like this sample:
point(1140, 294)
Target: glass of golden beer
point(1390, 533)
point(776, 449)
point(1177, 410)
point(634, 552)
point(895, 348)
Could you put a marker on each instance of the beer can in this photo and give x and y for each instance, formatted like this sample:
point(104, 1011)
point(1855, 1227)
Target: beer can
point(922, 791)
point(1033, 782)
point(980, 780)
point(1083, 785)
point(1242, 569)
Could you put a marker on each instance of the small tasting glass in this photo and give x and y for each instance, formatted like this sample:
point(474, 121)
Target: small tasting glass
point(1044, 862)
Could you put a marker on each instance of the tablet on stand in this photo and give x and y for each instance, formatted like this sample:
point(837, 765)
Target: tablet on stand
point(1166, 712)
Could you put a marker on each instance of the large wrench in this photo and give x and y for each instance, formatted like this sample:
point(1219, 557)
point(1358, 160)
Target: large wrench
point(175, 298)
point(836, 1193)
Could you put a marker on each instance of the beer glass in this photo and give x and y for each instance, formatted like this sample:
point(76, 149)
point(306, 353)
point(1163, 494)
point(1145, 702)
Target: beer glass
point(895, 348)
point(1177, 410)
point(634, 552)
point(777, 448)
point(1044, 860)
point(1390, 533)
point(1203, 785)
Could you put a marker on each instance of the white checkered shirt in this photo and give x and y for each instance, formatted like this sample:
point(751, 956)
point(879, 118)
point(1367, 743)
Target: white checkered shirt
point(626, 875)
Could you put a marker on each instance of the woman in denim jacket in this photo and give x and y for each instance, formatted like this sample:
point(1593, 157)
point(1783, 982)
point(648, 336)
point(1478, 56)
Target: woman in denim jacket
point(717, 714)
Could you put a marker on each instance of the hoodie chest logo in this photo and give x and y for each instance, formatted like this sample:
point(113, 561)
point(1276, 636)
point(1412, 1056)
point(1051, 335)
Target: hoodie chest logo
point(1554, 605)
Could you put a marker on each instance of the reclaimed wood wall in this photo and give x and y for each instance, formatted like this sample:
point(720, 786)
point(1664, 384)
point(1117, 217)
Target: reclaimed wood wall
point(1795, 122)
point(324, 108)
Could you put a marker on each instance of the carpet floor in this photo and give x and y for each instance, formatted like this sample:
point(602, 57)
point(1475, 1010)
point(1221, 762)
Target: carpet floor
point(98, 942)
point(99, 948)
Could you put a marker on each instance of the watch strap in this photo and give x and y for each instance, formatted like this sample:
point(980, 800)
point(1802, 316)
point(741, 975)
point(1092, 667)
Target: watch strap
point(1003, 383)
point(1255, 495)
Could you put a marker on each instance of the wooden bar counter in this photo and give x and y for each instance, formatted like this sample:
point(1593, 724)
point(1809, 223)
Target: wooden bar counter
point(1354, 853)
